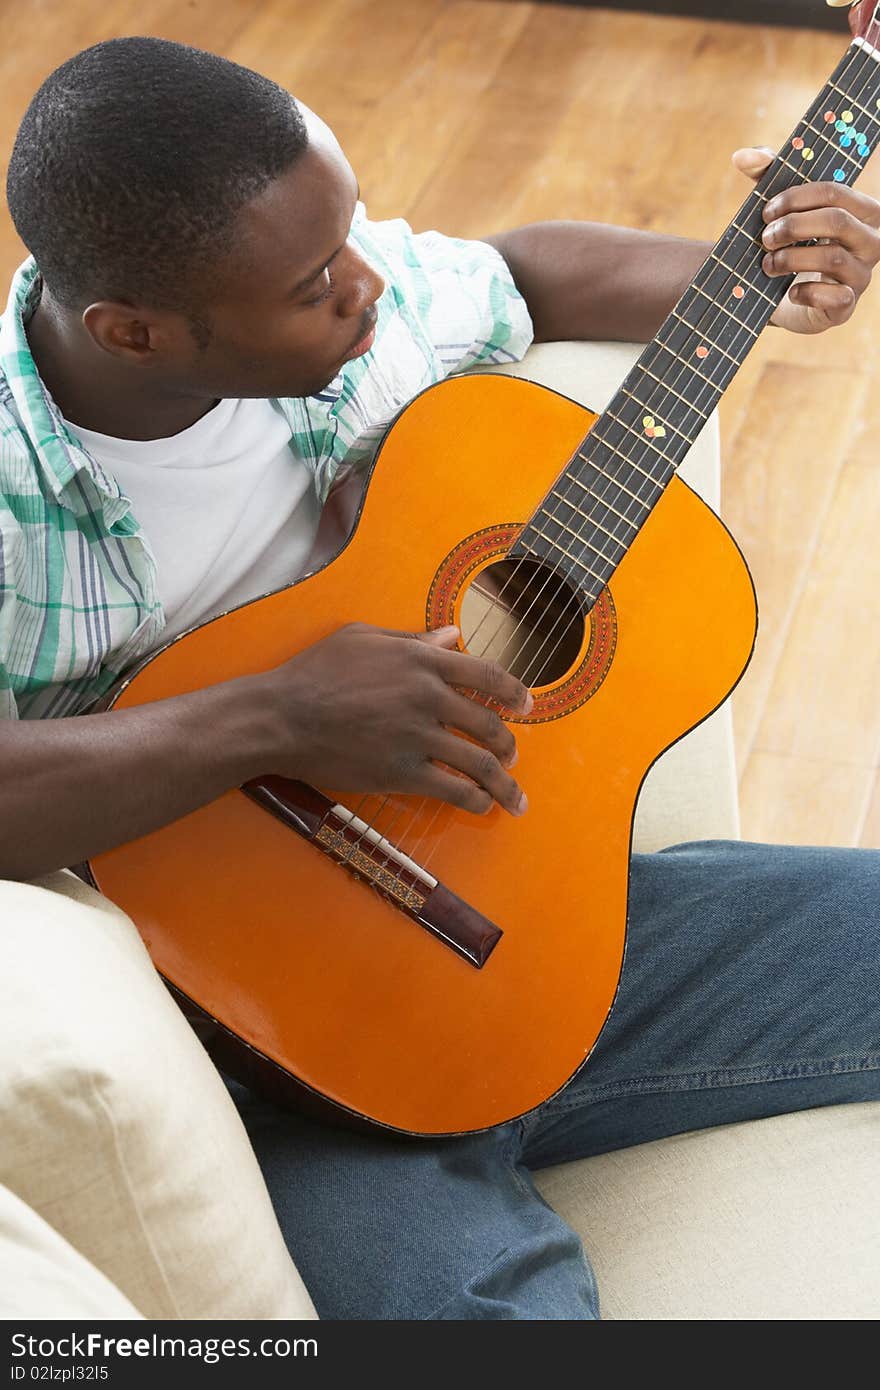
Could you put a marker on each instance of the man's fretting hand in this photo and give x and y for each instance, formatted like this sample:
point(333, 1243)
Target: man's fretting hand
point(832, 275)
point(366, 710)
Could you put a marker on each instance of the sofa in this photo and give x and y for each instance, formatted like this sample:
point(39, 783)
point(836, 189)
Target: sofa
point(128, 1187)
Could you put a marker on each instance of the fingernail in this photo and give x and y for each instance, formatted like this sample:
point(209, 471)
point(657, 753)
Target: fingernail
point(529, 704)
point(521, 806)
point(450, 628)
point(515, 759)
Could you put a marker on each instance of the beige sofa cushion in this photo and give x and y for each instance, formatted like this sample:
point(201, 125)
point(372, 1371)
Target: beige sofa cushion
point(775, 1219)
point(116, 1128)
point(43, 1277)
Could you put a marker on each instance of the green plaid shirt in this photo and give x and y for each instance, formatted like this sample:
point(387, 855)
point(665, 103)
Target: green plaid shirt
point(78, 594)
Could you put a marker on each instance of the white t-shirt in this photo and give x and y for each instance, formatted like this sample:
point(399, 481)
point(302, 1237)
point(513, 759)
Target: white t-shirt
point(228, 508)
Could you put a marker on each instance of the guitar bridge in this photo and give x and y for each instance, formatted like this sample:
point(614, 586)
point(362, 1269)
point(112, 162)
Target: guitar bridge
point(368, 856)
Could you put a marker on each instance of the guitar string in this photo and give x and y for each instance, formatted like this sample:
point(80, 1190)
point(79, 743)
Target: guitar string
point(698, 328)
point(696, 331)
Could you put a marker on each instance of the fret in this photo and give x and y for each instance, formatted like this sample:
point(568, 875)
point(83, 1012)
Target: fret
point(835, 145)
point(617, 479)
point(687, 335)
point(611, 478)
point(573, 558)
point(642, 438)
point(614, 477)
point(755, 240)
point(730, 291)
point(607, 416)
point(557, 521)
point(703, 415)
point(730, 270)
point(684, 366)
point(649, 409)
point(680, 334)
point(592, 520)
point(800, 173)
point(708, 391)
point(853, 101)
point(743, 327)
point(698, 289)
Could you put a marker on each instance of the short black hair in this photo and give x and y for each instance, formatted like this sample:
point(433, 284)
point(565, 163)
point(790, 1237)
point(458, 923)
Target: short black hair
point(131, 163)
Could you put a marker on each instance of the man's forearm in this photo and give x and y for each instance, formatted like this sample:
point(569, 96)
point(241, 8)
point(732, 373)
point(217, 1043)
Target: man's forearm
point(586, 281)
point(72, 788)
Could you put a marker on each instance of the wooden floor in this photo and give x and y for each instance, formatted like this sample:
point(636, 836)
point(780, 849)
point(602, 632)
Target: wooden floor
point(476, 115)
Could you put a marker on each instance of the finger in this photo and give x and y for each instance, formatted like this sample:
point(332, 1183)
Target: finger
point(482, 767)
point(453, 788)
point(438, 636)
point(837, 301)
point(837, 224)
point(834, 261)
point(804, 196)
point(753, 160)
point(458, 712)
point(477, 673)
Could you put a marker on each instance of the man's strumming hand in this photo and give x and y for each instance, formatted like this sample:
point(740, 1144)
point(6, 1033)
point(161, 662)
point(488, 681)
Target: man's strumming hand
point(366, 710)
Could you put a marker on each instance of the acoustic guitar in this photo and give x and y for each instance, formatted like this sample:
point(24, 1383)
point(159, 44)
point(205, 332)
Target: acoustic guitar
point(402, 962)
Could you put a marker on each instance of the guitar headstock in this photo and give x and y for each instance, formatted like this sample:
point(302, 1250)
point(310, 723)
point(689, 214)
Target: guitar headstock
point(864, 18)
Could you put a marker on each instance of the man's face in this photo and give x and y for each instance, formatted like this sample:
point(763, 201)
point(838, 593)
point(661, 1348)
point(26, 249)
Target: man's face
point(293, 296)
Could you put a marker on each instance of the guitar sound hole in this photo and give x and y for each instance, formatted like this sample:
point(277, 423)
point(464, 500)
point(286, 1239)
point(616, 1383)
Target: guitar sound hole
point(526, 616)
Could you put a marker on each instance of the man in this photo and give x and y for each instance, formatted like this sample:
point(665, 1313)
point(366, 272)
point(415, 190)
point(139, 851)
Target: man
point(208, 331)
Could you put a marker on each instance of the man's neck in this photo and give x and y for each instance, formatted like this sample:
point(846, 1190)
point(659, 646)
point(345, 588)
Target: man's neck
point(92, 390)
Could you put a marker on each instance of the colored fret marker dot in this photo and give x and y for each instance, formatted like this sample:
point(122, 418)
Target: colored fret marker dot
point(702, 352)
point(847, 116)
point(798, 142)
point(840, 125)
point(845, 141)
point(839, 175)
point(737, 291)
point(807, 154)
point(864, 150)
point(652, 429)
point(830, 116)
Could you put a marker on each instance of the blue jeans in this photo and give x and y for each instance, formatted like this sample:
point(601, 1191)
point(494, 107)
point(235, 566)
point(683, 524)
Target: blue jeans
point(750, 987)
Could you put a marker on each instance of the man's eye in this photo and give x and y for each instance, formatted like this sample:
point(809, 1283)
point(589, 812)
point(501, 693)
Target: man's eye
point(325, 293)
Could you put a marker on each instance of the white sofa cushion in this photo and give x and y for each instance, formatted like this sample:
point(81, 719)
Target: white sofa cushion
point(116, 1127)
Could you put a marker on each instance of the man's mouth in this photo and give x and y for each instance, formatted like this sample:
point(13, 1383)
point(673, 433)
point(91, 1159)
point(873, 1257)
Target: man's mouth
point(365, 342)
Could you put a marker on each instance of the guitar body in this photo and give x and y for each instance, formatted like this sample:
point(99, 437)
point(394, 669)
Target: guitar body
point(317, 972)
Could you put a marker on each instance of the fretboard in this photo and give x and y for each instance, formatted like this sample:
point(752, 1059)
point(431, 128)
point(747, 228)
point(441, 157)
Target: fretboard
point(597, 506)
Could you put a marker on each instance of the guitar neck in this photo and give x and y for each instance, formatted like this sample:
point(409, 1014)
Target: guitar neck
point(587, 522)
